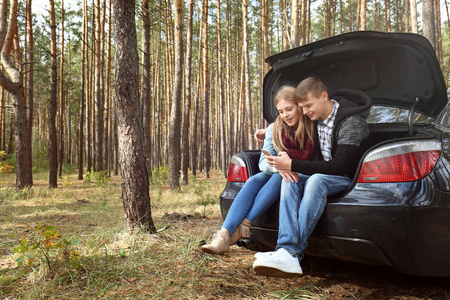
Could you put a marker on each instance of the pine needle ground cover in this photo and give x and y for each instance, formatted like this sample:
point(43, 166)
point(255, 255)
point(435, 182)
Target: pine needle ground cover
point(70, 243)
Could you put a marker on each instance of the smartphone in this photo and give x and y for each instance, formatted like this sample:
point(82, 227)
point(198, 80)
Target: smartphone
point(266, 153)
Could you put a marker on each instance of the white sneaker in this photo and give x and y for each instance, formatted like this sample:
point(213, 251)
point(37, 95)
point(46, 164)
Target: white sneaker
point(279, 264)
point(262, 255)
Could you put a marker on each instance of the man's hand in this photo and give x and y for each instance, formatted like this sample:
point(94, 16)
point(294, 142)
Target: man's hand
point(282, 162)
point(289, 176)
point(259, 135)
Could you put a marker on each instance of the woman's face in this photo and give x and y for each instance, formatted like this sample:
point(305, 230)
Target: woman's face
point(289, 112)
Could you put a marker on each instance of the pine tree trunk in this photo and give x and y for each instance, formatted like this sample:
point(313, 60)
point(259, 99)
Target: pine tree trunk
point(175, 112)
point(284, 27)
point(30, 85)
point(388, 15)
point(88, 94)
point(363, 24)
point(2, 119)
point(429, 28)
point(135, 186)
point(407, 15)
point(229, 84)
point(414, 26)
point(304, 8)
point(99, 95)
point(221, 101)
point(187, 98)
point(82, 100)
point(206, 101)
point(295, 32)
point(248, 104)
point(145, 83)
point(105, 94)
point(61, 96)
point(53, 105)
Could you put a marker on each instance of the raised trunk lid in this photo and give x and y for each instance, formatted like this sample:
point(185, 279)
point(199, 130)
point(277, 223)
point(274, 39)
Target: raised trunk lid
point(394, 69)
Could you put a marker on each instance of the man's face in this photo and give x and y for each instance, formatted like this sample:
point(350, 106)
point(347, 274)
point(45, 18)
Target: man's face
point(315, 107)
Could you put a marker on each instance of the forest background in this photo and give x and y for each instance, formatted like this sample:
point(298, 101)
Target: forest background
point(64, 57)
point(194, 76)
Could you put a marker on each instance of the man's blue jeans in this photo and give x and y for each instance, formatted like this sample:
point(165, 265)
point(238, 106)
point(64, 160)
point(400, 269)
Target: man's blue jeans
point(255, 197)
point(301, 205)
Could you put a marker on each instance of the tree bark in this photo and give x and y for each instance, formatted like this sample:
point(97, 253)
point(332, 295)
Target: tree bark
point(247, 89)
point(407, 15)
point(206, 100)
point(175, 112)
point(187, 98)
point(429, 28)
point(99, 92)
point(284, 27)
point(304, 25)
point(135, 186)
point(363, 24)
point(145, 82)
point(295, 32)
point(83, 92)
point(414, 27)
point(53, 105)
point(220, 93)
point(61, 96)
point(14, 84)
point(30, 85)
point(388, 15)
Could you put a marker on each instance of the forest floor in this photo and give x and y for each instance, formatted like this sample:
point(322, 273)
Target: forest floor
point(102, 260)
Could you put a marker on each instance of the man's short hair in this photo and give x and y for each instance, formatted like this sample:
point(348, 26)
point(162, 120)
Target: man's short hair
point(312, 85)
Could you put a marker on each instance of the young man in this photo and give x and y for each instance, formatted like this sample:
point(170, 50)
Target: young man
point(341, 129)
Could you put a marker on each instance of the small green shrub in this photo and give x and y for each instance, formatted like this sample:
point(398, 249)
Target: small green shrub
point(44, 244)
point(40, 157)
point(100, 178)
point(203, 191)
point(5, 167)
point(160, 176)
point(69, 169)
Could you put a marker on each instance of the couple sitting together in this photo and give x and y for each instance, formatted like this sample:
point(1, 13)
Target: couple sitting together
point(315, 149)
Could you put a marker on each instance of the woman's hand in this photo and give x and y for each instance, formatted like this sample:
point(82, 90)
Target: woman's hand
point(282, 162)
point(289, 176)
point(259, 135)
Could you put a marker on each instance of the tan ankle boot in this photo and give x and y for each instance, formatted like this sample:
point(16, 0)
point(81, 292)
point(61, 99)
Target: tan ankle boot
point(220, 243)
point(242, 231)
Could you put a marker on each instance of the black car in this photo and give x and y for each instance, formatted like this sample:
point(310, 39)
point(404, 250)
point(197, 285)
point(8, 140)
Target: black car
point(397, 210)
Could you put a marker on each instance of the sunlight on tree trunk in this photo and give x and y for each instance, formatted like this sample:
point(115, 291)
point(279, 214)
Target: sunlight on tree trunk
point(135, 185)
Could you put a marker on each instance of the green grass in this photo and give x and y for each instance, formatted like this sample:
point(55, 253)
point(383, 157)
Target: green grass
point(116, 264)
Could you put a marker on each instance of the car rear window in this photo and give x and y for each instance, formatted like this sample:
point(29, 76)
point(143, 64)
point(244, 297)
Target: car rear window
point(385, 114)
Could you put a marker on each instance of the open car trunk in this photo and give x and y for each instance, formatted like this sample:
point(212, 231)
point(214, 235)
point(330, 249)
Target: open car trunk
point(393, 69)
point(401, 222)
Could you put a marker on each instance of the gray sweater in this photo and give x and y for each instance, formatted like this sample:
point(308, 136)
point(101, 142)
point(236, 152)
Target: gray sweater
point(349, 134)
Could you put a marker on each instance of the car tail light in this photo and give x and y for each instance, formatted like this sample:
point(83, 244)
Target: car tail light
point(400, 161)
point(237, 171)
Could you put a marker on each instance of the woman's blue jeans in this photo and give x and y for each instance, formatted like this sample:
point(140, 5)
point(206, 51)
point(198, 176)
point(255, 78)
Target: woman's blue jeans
point(301, 206)
point(255, 197)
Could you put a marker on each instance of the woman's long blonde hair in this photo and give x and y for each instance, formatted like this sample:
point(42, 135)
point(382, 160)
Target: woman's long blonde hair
point(305, 127)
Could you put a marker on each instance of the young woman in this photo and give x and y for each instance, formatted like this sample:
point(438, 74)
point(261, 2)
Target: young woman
point(293, 133)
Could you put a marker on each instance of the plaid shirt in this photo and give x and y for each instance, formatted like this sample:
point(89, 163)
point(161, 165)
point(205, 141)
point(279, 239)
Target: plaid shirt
point(325, 130)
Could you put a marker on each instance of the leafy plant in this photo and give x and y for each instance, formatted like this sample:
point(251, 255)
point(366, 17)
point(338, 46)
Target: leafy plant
point(66, 182)
point(100, 178)
point(44, 243)
point(40, 157)
point(5, 167)
point(160, 176)
point(205, 197)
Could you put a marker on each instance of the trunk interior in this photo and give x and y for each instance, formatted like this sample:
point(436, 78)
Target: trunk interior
point(379, 134)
